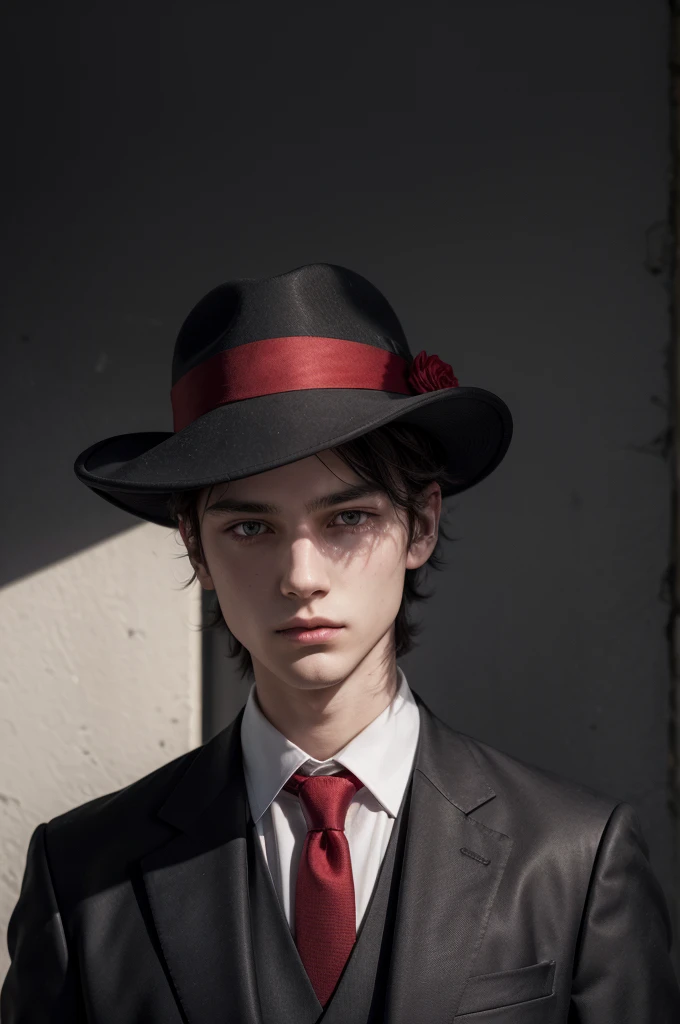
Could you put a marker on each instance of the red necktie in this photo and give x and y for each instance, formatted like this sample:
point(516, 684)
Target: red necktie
point(325, 911)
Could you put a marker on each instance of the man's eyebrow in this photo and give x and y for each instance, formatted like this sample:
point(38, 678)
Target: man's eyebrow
point(325, 501)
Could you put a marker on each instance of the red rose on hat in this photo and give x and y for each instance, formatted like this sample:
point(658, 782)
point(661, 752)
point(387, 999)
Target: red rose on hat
point(430, 373)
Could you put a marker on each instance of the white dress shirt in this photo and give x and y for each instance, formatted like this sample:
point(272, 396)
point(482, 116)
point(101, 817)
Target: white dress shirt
point(381, 756)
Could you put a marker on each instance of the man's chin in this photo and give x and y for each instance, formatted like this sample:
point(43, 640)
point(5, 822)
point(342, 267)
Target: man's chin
point(315, 669)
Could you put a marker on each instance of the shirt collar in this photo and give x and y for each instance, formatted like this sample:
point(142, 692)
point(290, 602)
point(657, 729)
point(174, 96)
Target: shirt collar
point(380, 755)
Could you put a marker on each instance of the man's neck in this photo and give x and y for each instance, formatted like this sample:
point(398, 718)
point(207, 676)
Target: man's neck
point(322, 721)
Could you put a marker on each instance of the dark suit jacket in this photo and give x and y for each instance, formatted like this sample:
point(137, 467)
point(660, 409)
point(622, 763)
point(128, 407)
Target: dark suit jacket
point(524, 898)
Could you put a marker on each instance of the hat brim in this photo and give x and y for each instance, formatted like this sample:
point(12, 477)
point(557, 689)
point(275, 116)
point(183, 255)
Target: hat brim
point(138, 472)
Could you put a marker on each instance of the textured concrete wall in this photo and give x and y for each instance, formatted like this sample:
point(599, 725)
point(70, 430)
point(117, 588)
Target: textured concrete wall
point(99, 684)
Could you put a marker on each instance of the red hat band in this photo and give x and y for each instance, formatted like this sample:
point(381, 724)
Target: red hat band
point(273, 365)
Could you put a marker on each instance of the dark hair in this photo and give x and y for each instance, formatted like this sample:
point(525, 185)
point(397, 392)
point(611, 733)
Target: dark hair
point(402, 460)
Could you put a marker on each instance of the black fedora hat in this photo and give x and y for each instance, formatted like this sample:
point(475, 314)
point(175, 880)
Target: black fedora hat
point(268, 371)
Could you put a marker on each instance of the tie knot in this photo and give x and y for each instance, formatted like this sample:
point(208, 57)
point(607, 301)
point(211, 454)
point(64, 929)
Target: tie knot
point(324, 798)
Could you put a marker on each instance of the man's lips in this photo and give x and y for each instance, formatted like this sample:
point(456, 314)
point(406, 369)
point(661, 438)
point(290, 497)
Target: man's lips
point(319, 634)
point(314, 622)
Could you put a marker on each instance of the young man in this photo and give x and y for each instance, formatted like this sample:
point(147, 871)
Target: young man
point(336, 852)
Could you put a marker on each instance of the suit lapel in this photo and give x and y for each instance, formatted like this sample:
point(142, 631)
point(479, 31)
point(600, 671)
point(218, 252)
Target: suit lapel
point(197, 888)
point(451, 872)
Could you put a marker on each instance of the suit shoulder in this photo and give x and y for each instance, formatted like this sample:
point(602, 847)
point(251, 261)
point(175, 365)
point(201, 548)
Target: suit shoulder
point(90, 847)
point(120, 806)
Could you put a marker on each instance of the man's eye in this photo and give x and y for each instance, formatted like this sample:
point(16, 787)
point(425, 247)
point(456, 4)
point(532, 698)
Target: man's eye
point(256, 522)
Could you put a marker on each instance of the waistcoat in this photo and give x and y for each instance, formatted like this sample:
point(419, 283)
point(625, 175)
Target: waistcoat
point(285, 991)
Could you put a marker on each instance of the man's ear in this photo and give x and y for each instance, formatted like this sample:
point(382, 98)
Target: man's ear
point(204, 577)
point(426, 538)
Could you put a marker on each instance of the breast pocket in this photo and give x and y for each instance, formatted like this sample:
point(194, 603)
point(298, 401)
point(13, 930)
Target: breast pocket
point(507, 988)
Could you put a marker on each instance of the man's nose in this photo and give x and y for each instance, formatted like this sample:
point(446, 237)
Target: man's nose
point(305, 570)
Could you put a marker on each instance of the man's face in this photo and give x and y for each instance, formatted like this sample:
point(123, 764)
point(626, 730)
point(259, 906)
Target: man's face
point(343, 562)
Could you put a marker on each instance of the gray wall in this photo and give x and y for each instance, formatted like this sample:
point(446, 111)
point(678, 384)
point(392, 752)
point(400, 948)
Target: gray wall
point(493, 168)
